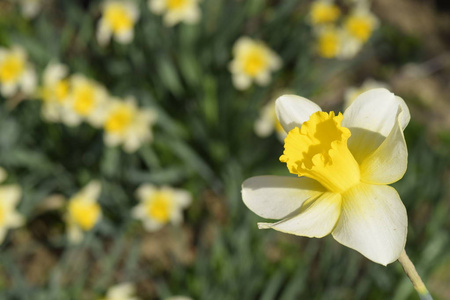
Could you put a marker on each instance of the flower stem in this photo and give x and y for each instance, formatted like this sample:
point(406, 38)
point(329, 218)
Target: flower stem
point(411, 272)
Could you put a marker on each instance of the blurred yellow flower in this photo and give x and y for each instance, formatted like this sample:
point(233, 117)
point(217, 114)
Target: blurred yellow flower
point(9, 217)
point(118, 19)
point(83, 211)
point(253, 61)
point(159, 206)
point(16, 73)
point(344, 164)
point(329, 42)
point(127, 124)
point(353, 92)
point(30, 8)
point(86, 101)
point(360, 24)
point(123, 291)
point(268, 122)
point(176, 11)
point(324, 11)
point(54, 91)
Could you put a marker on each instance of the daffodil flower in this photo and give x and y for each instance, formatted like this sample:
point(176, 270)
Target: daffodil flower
point(268, 122)
point(83, 211)
point(127, 124)
point(159, 206)
point(123, 291)
point(176, 11)
point(253, 61)
point(344, 164)
point(30, 8)
point(16, 73)
point(323, 12)
point(54, 91)
point(360, 24)
point(118, 19)
point(9, 217)
point(86, 101)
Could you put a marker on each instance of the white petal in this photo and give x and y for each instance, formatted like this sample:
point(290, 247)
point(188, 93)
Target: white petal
point(192, 15)
point(293, 110)
point(8, 89)
point(75, 235)
point(157, 6)
point(92, 191)
point(371, 118)
point(183, 197)
point(152, 225)
point(10, 195)
point(145, 191)
point(14, 219)
point(112, 140)
point(104, 33)
point(263, 78)
point(139, 212)
point(241, 81)
point(275, 197)
point(373, 222)
point(317, 217)
point(389, 162)
point(28, 81)
point(125, 36)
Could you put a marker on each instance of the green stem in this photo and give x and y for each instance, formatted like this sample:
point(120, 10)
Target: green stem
point(411, 272)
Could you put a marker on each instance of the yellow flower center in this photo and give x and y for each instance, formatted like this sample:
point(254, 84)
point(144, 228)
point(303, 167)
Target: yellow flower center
point(160, 206)
point(318, 150)
point(118, 17)
point(62, 90)
point(322, 12)
point(255, 61)
point(360, 27)
point(119, 120)
point(84, 97)
point(176, 4)
point(11, 68)
point(84, 213)
point(329, 43)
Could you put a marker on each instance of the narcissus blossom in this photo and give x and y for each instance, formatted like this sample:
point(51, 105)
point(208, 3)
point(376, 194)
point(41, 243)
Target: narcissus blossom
point(16, 73)
point(176, 11)
point(118, 19)
point(127, 124)
point(30, 8)
point(268, 122)
point(323, 12)
point(9, 217)
point(252, 61)
point(344, 164)
point(353, 92)
point(83, 211)
point(86, 102)
point(360, 24)
point(123, 291)
point(159, 206)
point(54, 91)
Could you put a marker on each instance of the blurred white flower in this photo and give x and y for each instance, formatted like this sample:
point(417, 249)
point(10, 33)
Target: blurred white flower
point(127, 124)
point(361, 23)
point(176, 11)
point(268, 122)
point(159, 206)
point(118, 19)
point(86, 101)
point(353, 92)
point(54, 91)
point(30, 8)
point(253, 61)
point(83, 211)
point(16, 73)
point(323, 11)
point(122, 291)
point(9, 217)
